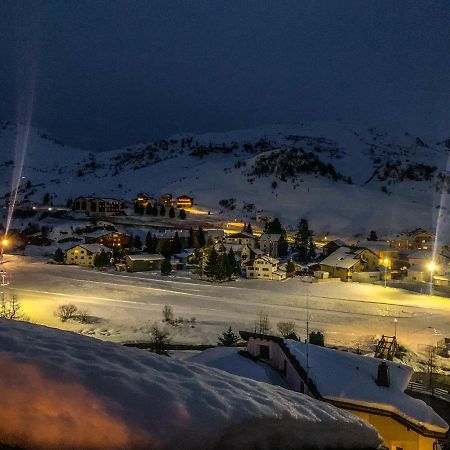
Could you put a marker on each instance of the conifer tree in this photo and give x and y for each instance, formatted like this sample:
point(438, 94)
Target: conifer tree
point(58, 256)
point(228, 339)
point(136, 242)
point(201, 237)
point(166, 267)
point(182, 214)
point(175, 244)
point(155, 210)
point(191, 238)
point(304, 244)
point(283, 246)
point(171, 212)
point(162, 210)
point(211, 264)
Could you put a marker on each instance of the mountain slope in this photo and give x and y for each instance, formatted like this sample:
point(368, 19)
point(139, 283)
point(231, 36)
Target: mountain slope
point(344, 178)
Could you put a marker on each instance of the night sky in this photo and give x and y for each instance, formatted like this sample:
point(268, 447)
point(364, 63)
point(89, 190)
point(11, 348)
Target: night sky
point(104, 74)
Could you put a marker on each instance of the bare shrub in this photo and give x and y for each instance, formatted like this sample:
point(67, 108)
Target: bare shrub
point(66, 312)
point(160, 340)
point(10, 308)
point(167, 313)
point(83, 316)
point(262, 324)
point(286, 328)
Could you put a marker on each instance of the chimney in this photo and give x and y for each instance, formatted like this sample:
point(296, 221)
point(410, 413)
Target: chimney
point(383, 378)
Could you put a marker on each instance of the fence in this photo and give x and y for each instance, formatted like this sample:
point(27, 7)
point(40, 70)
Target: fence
point(439, 393)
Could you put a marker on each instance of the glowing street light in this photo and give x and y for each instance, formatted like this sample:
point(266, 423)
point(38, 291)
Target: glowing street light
point(5, 242)
point(431, 266)
point(395, 328)
point(386, 262)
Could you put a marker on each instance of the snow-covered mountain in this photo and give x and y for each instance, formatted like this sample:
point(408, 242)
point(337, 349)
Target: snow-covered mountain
point(344, 178)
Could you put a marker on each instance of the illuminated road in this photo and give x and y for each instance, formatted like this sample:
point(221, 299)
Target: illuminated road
point(128, 304)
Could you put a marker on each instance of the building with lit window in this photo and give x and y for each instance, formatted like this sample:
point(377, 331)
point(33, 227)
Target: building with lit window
point(84, 254)
point(93, 206)
point(184, 201)
point(111, 239)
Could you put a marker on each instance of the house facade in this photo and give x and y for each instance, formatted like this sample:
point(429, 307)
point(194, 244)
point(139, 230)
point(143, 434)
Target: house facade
point(100, 207)
point(346, 260)
point(144, 199)
point(418, 239)
point(110, 239)
point(264, 267)
point(184, 201)
point(166, 199)
point(268, 243)
point(242, 238)
point(370, 388)
point(84, 254)
point(143, 263)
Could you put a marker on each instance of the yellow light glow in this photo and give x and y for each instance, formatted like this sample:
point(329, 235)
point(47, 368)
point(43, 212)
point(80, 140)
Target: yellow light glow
point(5, 242)
point(432, 266)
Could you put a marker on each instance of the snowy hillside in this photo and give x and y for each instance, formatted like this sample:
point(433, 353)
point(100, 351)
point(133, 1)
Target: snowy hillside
point(61, 390)
point(343, 178)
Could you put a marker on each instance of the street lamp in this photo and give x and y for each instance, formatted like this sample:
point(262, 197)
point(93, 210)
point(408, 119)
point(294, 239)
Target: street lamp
point(431, 267)
point(395, 328)
point(385, 263)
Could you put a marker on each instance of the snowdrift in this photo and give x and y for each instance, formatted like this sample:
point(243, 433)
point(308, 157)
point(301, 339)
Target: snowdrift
point(60, 390)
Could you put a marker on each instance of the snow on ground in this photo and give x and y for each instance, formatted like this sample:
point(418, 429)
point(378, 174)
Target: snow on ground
point(61, 390)
point(350, 314)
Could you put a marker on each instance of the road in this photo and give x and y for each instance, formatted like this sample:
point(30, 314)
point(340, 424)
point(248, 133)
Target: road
point(127, 304)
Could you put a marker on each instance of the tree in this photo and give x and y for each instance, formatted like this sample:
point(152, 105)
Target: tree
point(162, 210)
point(10, 308)
point(201, 237)
point(66, 312)
point(159, 340)
point(171, 212)
point(191, 238)
point(69, 203)
point(304, 244)
point(136, 242)
point(262, 324)
point(58, 256)
point(248, 228)
point(155, 210)
point(290, 268)
point(175, 244)
point(182, 214)
point(167, 313)
point(151, 243)
point(46, 199)
point(372, 236)
point(283, 246)
point(228, 339)
point(101, 259)
point(273, 227)
point(211, 264)
point(139, 208)
point(286, 328)
point(222, 268)
point(233, 266)
point(149, 209)
point(166, 267)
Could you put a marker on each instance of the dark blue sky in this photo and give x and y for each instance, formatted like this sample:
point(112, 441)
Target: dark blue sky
point(105, 74)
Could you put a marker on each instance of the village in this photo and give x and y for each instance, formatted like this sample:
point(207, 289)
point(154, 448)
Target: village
point(182, 236)
point(169, 237)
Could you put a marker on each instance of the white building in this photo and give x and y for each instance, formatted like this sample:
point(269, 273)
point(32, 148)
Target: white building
point(264, 267)
point(84, 254)
point(242, 238)
point(268, 243)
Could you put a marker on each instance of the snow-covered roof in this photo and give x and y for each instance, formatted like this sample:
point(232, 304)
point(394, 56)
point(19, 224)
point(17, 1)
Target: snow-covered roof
point(111, 396)
point(343, 257)
point(270, 237)
point(375, 245)
point(93, 248)
point(151, 257)
point(268, 259)
point(215, 232)
point(229, 360)
point(98, 233)
point(353, 381)
point(170, 234)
